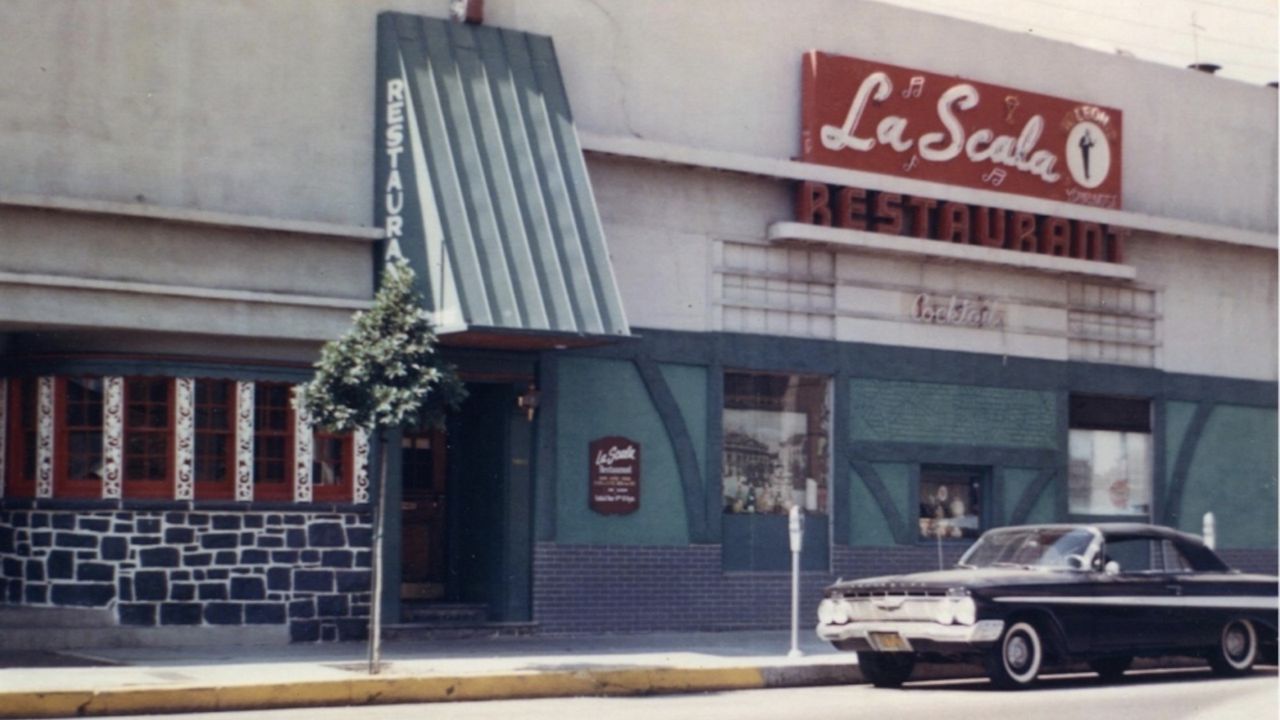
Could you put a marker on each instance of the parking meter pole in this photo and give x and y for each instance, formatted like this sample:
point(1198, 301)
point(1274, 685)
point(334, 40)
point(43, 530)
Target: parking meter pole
point(795, 526)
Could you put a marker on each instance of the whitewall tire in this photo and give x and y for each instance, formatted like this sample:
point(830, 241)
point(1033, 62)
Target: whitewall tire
point(1016, 660)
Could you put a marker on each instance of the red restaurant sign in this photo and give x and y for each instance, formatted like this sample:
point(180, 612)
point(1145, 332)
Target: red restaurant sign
point(886, 119)
point(614, 484)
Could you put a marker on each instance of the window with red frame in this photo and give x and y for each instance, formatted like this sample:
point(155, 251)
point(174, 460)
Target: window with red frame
point(79, 461)
point(21, 480)
point(215, 412)
point(148, 429)
point(331, 467)
point(272, 442)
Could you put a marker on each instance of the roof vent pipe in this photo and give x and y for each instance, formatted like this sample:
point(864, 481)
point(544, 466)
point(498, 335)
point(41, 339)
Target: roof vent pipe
point(468, 11)
point(1208, 68)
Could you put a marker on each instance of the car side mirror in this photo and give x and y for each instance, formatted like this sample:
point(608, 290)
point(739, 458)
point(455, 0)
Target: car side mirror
point(1112, 568)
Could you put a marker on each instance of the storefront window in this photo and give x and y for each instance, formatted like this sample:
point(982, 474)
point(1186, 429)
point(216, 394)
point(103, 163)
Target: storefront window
point(776, 442)
point(1109, 456)
point(272, 442)
point(950, 503)
point(80, 460)
point(148, 426)
point(1109, 473)
point(215, 438)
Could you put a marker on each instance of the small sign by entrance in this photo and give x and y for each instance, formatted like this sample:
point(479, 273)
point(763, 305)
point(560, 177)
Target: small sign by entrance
point(614, 485)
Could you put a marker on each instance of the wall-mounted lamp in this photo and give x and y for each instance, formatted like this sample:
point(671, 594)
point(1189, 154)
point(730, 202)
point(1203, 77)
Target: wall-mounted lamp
point(529, 401)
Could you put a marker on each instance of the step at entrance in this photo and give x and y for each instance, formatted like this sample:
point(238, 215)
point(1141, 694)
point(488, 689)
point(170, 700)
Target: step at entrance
point(438, 621)
point(420, 613)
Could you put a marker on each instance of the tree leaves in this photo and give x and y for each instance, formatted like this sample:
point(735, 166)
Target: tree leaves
point(384, 372)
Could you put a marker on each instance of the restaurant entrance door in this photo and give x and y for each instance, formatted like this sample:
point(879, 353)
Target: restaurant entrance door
point(424, 515)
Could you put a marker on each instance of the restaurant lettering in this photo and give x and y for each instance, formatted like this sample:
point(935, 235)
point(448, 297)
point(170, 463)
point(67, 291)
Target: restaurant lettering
point(906, 215)
point(882, 118)
point(393, 190)
point(614, 476)
point(984, 145)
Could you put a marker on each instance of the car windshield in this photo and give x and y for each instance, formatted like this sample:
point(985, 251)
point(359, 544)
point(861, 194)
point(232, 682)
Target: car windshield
point(1029, 547)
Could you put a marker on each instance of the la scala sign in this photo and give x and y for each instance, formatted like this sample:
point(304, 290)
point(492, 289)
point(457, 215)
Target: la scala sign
point(887, 119)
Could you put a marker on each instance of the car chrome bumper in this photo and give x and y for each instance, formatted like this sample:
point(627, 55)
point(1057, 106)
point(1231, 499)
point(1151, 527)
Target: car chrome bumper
point(920, 635)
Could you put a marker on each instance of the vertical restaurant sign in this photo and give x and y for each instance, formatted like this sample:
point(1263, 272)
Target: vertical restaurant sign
point(881, 118)
point(614, 476)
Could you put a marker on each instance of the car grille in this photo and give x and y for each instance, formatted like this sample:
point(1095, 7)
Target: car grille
point(893, 606)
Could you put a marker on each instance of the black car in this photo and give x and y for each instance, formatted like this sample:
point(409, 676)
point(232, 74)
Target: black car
point(1026, 597)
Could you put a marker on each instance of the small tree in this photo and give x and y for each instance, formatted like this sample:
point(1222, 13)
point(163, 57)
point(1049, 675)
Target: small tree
point(382, 375)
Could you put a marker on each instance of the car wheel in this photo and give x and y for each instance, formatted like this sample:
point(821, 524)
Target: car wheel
point(1015, 661)
point(886, 669)
point(1237, 649)
point(1110, 669)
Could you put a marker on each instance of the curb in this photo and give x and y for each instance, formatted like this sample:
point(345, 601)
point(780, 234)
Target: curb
point(384, 690)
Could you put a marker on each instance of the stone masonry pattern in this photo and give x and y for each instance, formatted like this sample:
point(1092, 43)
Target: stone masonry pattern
point(309, 570)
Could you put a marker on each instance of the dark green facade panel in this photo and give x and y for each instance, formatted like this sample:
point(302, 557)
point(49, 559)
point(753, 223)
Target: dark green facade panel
point(1233, 475)
point(896, 411)
point(598, 398)
point(869, 524)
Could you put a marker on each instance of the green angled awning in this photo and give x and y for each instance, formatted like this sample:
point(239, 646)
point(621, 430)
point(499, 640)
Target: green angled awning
point(481, 182)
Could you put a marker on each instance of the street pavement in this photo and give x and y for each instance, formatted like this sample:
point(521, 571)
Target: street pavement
point(141, 681)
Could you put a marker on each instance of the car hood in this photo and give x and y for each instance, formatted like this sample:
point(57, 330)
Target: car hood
point(941, 580)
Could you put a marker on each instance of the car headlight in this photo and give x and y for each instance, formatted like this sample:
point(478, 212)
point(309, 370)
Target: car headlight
point(841, 611)
point(827, 611)
point(942, 614)
point(964, 610)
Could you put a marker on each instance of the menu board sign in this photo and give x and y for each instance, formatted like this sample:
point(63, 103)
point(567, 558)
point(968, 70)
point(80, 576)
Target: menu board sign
point(614, 475)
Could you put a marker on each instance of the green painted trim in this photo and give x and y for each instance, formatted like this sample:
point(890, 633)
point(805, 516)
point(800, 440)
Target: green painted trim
point(871, 479)
point(867, 361)
point(516, 582)
point(19, 366)
point(545, 438)
point(838, 489)
point(714, 487)
point(664, 402)
point(1182, 463)
point(1159, 440)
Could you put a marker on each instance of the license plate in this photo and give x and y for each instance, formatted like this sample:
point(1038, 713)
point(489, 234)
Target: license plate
point(888, 642)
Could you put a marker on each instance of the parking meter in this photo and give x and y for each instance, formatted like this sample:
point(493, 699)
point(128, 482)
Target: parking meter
point(795, 527)
point(795, 524)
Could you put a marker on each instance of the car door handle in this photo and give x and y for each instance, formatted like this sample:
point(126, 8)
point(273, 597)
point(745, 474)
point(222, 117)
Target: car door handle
point(1175, 589)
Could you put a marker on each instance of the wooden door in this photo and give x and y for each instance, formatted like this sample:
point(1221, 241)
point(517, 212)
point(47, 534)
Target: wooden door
point(424, 509)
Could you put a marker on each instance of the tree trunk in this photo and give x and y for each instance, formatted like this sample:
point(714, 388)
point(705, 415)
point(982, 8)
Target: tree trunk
point(379, 523)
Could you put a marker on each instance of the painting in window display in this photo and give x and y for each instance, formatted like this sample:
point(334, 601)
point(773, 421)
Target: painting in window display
point(776, 443)
point(950, 504)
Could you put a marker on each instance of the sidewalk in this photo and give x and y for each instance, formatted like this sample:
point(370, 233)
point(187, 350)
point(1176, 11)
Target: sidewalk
point(162, 680)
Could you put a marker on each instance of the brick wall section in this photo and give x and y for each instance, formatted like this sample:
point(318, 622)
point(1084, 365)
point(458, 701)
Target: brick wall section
point(310, 570)
point(1255, 561)
point(584, 588)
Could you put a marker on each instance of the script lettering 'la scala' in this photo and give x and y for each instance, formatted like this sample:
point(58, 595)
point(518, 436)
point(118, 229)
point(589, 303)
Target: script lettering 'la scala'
point(983, 145)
